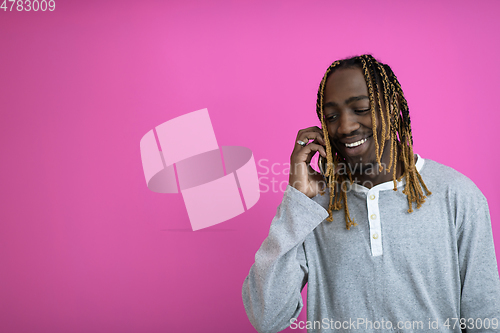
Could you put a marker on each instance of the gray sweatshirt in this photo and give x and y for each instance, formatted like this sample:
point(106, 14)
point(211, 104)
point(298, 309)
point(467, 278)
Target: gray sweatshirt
point(432, 270)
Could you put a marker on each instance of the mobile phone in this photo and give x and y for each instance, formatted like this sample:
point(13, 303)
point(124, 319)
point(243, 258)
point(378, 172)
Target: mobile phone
point(322, 164)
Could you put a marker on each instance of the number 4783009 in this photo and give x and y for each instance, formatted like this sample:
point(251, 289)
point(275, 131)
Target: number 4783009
point(470, 323)
point(28, 5)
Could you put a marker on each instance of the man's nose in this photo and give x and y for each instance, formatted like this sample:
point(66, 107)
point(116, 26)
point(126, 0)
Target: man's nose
point(347, 123)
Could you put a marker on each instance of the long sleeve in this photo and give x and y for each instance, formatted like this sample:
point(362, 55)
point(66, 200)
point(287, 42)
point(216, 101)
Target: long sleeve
point(271, 291)
point(480, 298)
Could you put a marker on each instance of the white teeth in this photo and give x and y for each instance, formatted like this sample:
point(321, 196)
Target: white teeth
point(355, 144)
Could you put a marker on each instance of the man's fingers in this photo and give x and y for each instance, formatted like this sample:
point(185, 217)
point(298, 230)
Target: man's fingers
point(309, 135)
point(309, 129)
point(305, 154)
point(302, 176)
point(305, 138)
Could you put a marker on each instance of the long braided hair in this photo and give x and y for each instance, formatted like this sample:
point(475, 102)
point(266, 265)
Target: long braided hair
point(395, 121)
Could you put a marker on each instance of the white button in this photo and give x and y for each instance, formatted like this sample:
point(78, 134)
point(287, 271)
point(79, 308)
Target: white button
point(373, 216)
point(372, 197)
point(375, 236)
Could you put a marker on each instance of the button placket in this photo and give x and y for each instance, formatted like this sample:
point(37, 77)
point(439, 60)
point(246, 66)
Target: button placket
point(374, 222)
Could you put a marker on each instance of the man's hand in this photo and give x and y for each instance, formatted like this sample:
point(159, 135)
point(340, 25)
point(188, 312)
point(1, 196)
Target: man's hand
point(302, 176)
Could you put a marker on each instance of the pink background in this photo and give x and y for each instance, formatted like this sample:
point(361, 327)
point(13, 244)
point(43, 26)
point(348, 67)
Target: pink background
point(86, 247)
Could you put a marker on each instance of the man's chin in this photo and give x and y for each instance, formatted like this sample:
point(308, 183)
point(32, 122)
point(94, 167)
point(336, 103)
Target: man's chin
point(357, 160)
point(357, 165)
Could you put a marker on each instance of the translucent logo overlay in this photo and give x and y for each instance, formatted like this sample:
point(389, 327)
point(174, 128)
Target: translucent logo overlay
point(182, 155)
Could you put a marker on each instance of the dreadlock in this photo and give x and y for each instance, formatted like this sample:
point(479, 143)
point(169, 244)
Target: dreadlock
point(395, 123)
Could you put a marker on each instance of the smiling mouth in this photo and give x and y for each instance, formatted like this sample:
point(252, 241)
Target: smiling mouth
point(357, 143)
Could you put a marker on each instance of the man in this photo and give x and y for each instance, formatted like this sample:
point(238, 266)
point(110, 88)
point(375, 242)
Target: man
point(389, 267)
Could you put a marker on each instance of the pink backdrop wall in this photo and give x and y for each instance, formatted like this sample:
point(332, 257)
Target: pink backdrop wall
point(86, 247)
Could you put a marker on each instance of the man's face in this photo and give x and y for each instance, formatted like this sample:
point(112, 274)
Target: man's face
point(348, 116)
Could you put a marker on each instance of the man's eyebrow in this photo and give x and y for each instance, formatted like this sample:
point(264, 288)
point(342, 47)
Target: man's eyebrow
point(347, 101)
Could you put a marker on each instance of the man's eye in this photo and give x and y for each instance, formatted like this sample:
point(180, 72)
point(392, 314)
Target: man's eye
point(331, 118)
point(362, 111)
